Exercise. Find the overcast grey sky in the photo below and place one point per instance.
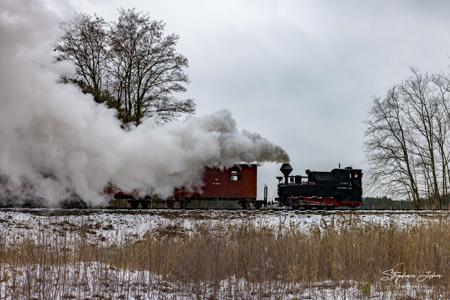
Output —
(301, 73)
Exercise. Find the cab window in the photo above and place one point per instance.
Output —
(234, 176)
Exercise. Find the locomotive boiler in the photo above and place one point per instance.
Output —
(320, 190)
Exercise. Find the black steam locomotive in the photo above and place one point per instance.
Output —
(320, 190)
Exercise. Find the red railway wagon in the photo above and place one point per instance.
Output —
(234, 187)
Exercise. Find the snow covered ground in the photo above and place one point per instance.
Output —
(92, 280)
(95, 280)
(122, 226)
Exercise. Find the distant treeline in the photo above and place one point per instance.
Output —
(388, 203)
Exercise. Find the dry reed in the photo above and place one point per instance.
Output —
(213, 262)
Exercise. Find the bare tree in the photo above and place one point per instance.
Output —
(442, 135)
(422, 110)
(408, 138)
(84, 43)
(388, 149)
(130, 64)
(148, 69)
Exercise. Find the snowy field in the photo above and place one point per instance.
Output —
(100, 281)
(95, 279)
(122, 226)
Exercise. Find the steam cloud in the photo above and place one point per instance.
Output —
(54, 138)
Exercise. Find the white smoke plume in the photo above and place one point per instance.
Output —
(54, 138)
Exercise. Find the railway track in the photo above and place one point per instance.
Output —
(270, 211)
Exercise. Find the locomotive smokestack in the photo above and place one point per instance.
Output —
(286, 169)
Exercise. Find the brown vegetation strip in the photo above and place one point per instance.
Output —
(261, 255)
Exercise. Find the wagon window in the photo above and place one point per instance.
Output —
(234, 176)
